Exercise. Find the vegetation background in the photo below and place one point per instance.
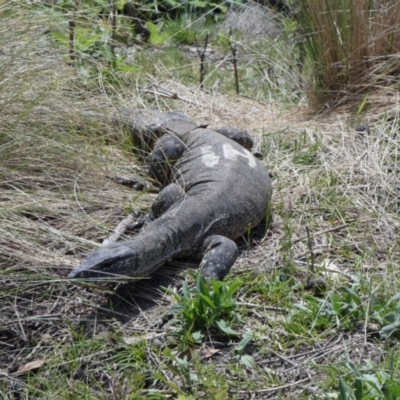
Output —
(311, 309)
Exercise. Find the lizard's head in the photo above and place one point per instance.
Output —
(113, 260)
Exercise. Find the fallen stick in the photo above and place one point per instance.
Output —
(122, 227)
(160, 91)
(334, 229)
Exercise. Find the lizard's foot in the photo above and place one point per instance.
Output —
(220, 254)
(134, 183)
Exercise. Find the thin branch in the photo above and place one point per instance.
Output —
(160, 91)
(121, 228)
(234, 62)
(272, 389)
(334, 229)
(71, 24)
(113, 25)
(202, 55)
(310, 248)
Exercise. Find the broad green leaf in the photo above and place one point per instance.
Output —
(248, 361)
(394, 298)
(353, 294)
(156, 37)
(358, 392)
(197, 336)
(373, 382)
(128, 68)
(185, 289)
(353, 367)
(226, 329)
(342, 390)
(232, 288)
(208, 301)
(387, 330)
(247, 338)
(202, 285)
(390, 318)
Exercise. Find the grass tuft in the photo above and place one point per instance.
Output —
(352, 46)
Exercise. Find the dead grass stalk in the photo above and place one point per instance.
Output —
(353, 47)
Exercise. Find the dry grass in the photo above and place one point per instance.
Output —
(353, 46)
(56, 205)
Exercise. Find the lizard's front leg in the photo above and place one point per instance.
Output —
(167, 149)
(220, 254)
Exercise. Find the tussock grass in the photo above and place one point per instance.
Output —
(353, 47)
(108, 342)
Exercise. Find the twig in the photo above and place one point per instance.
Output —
(46, 317)
(334, 229)
(71, 24)
(202, 55)
(113, 26)
(121, 228)
(272, 389)
(283, 358)
(268, 308)
(234, 62)
(160, 91)
(310, 248)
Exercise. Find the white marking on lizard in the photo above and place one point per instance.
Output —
(231, 153)
(210, 159)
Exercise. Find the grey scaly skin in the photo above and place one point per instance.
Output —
(215, 191)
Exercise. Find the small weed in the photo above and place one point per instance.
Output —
(156, 36)
(345, 310)
(185, 30)
(181, 367)
(238, 352)
(94, 56)
(368, 384)
(208, 307)
(197, 379)
(390, 321)
(275, 290)
(341, 310)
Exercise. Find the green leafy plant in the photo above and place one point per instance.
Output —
(390, 321)
(209, 306)
(181, 367)
(340, 309)
(238, 352)
(187, 7)
(156, 36)
(94, 55)
(344, 309)
(185, 30)
(369, 384)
